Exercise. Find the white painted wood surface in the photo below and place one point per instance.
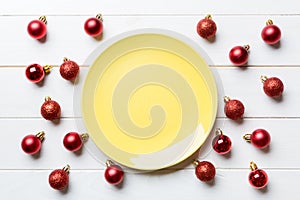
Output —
(239, 23)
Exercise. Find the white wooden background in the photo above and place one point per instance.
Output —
(239, 23)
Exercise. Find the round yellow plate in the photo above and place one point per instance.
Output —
(149, 99)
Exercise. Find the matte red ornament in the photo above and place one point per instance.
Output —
(113, 174)
(50, 110)
(273, 87)
(94, 26)
(258, 178)
(37, 28)
(74, 141)
(271, 34)
(238, 55)
(31, 144)
(36, 73)
(206, 27)
(59, 178)
(205, 171)
(221, 143)
(69, 70)
(260, 138)
(234, 109)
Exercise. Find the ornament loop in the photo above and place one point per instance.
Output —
(99, 16)
(47, 98)
(247, 137)
(196, 162)
(226, 99)
(269, 22)
(219, 131)
(263, 78)
(247, 47)
(40, 135)
(43, 19)
(67, 168)
(109, 163)
(208, 16)
(253, 166)
(66, 59)
(84, 137)
(47, 68)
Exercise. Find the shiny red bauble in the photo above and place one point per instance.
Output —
(238, 55)
(271, 34)
(234, 109)
(69, 70)
(59, 178)
(205, 171)
(206, 27)
(36, 73)
(50, 110)
(260, 138)
(113, 174)
(37, 28)
(273, 87)
(221, 143)
(31, 144)
(94, 26)
(258, 178)
(74, 141)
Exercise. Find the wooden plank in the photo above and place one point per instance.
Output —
(66, 37)
(136, 7)
(26, 98)
(229, 184)
(282, 153)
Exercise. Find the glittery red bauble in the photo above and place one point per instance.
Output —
(37, 29)
(59, 179)
(273, 87)
(72, 141)
(234, 109)
(31, 144)
(35, 73)
(238, 55)
(50, 110)
(221, 144)
(114, 174)
(258, 178)
(93, 26)
(205, 171)
(206, 28)
(69, 70)
(260, 138)
(271, 34)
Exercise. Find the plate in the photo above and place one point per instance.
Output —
(149, 99)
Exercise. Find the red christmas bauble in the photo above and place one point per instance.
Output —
(258, 178)
(35, 73)
(234, 109)
(260, 138)
(50, 110)
(31, 144)
(238, 55)
(273, 87)
(271, 34)
(59, 178)
(69, 70)
(94, 26)
(206, 27)
(205, 171)
(37, 28)
(113, 174)
(73, 141)
(221, 143)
